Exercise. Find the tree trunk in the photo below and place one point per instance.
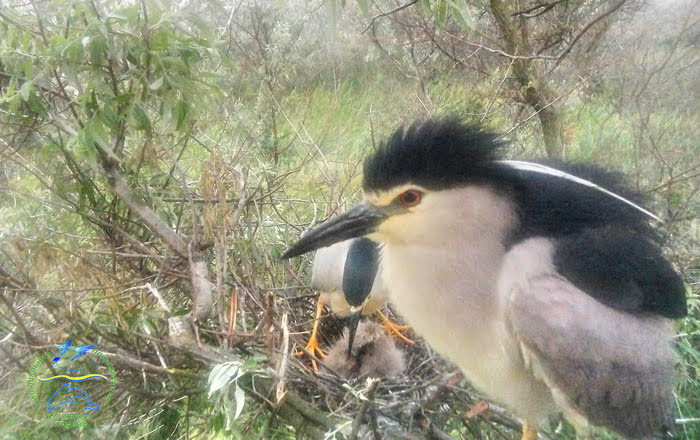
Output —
(552, 131)
(533, 86)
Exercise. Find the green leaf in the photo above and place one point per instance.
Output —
(97, 48)
(87, 192)
(28, 68)
(86, 148)
(116, 16)
(148, 326)
(28, 95)
(124, 98)
(155, 85)
(441, 15)
(35, 104)
(180, 114)
(462, 14)
(102, 29)
(132, 14)
(232, 409)
(141, 118)
(109, 115)
(95, 134)
(239, 395)
(73, 51)
(160, 40)
(174, 63)
(201, 24)
(26, 90)
(253, 362)
(223, 374)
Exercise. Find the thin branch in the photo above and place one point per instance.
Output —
(385, 14)
(585, 29)
(357, 422)
(149, 217)
(543, 6)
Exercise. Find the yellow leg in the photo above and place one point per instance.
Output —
(312, 347)
(529, 431)
(390, 328)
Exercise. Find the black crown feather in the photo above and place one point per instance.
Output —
(436, 154)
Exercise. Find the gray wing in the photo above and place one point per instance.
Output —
(614, 369)
(327, 270)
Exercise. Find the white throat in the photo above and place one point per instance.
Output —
(444, 281)
(449, 264)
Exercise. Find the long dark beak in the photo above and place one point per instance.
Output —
(360, 220)
(353, 321)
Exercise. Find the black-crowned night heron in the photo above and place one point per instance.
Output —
(349, 279)
(546, 286)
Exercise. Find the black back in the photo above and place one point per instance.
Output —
(552, 206)
(620, 268)
(361, 265)
(602, 245)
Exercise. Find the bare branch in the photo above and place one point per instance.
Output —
(202, 296)
(393, 11)
(578, 36)
(543, 8)
(149, 217)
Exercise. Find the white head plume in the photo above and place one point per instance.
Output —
(543, 169)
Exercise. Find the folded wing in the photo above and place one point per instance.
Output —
(610, 367)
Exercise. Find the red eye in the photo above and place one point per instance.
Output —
(410, 198)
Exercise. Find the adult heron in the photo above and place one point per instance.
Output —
(544, 282)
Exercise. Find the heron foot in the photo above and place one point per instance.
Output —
(529, 432)
(395, 329)
(312, 348)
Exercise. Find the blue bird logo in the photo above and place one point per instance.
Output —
(74, 393)
(65, 347)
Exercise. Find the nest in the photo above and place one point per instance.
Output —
(427, 398)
